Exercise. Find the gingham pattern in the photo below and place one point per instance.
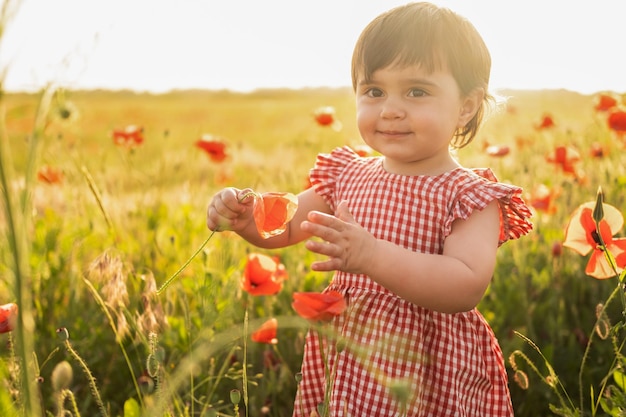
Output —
(447, 364)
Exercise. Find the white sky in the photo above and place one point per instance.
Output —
(159, 45)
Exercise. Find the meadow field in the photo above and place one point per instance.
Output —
(129, 306)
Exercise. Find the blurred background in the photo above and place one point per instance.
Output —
(242, 45)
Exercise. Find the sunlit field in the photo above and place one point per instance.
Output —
(137, 310)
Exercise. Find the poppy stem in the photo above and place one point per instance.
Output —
(241, 198)
(181, 269)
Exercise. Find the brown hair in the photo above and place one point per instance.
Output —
(431, 36)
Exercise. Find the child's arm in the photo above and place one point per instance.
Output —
(228, 211)
(452, 282)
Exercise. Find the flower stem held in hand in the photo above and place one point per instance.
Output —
(181, 269)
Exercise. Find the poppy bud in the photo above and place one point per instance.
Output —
(146, 384)
(341, 345)
(63, 334)
(235, 396)
(598, 210)
(62, 376)
(401, 390)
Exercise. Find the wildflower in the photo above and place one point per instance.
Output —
(542, 198)
(129, 137)
(8, 317)
(617, 121)
(272, 212)
(214, 148)
(566, 157)
(266, 333)
(557, 249)
(597, 150)
(546, 123)
(324, 116)
(263, 275)
(582, 236)
(318, 307)
(523, 141)
(605, 102)
(49, 175)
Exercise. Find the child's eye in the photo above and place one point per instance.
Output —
(374, 92)
(417, 92)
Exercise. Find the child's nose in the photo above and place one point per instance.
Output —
(392, 109)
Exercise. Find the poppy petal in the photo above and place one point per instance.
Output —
(266, 333)
(598, 267)
(8, 316)
(581, 224)
(272, 212)
(319, 306)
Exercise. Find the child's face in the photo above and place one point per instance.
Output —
(410, 116)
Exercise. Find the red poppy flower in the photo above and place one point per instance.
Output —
(266, 333)
(318, 307)
(605, 102)
(617, 121)
(324, 116)
(597, 150)
(581, 235)
(522, 142)
(565, 157)
(129, 137)
(497, 150)
(542, 198)
(263, 275)
(272, 212)
(8, 317)
(546, 123)
(49, 175)
(214, 148)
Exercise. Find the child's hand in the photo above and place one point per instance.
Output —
(348, 246)
(230, 209)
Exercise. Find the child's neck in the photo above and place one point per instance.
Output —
(420, 167)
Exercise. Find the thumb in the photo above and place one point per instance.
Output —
(246, 196)
(343, 212)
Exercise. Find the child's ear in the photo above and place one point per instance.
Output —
(471, 104)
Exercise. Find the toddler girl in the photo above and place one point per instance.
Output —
(411, 235)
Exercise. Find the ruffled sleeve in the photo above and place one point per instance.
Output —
(477, 191)
(328, 167)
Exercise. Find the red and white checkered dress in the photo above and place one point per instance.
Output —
(441, 364)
